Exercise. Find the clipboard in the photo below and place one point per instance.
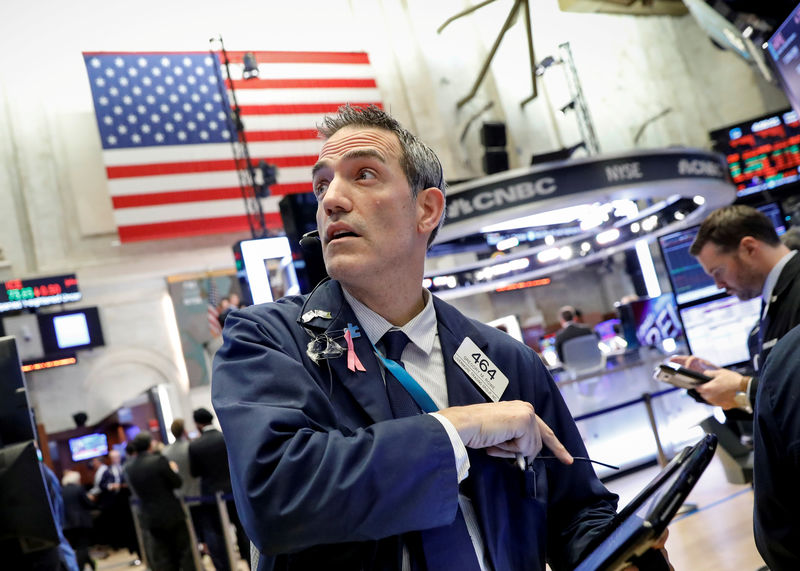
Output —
(639, 525)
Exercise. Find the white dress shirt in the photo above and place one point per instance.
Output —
(424, 361)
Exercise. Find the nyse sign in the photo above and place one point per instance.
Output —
(541, 184)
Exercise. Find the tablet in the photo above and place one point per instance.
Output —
(644, 519)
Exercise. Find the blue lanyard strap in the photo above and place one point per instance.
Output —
(419, 395)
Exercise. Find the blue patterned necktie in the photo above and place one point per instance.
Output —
(448, 547)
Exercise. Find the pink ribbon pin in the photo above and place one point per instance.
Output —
(353, 362)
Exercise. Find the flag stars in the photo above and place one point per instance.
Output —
(109, 72)
(133, 72)
(117, 109)
(100, 82)
(173, 98)
(119, 62)
(169, 80)
(146, 81)
(156, 71)
(165, 62)
(132, 119)
(136, 138)
(94, 62)
(187, 62)
(122, 129)
(195, 98)
(113, 91)
(141, 109)
(136, 90)
(191, 80)
(182, 135)
(142, 62)
(187, 107)
(160, 90)
(177, 116)
(169, 127)
(127, 99)
(182, 89)
(191, 125)
(146, 128)
(204, 135)
(155, 118)
(123, 81)
(159, 137)
(203, 89)
(177, 70)
(108, 120)
(102, 100)
(111, 139)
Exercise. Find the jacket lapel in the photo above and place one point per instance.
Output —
(366, 387)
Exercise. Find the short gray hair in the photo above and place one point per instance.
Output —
(420, 164)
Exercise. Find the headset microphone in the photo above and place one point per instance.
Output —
(310, 240)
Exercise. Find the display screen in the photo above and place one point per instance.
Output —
(689, 280)
(607, 329)
(265, 269)
(648, 322)
(762, 153)
(23, 294)
(88, 446)
(70, 330)
(718, 329)
(784, 50)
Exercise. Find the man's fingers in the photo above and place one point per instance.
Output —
(554, 444)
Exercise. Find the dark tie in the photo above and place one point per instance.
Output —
(446, 547)
(401, 402)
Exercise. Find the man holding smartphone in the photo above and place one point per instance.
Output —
(737, 246)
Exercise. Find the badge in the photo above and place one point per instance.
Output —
(480, 369)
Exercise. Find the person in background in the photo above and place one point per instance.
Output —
(570, 329)
(334, 465)
(178, 452)
(154, 481)
(115, 509)
(737, 246)
(208, 460)
(77, 517)
(68, 562)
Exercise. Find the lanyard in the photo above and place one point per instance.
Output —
(419, 395)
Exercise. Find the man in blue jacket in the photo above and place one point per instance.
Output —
(319, 397)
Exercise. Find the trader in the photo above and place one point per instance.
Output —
(332, 466)
(737, 246)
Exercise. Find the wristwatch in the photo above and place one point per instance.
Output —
(742, 396)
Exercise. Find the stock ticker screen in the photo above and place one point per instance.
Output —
(762, 153)
(689, 281)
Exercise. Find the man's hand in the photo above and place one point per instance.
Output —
(721, 390)
(694, 363)
(659, 546)
(504, 429)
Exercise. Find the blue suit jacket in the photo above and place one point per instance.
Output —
(324, 477)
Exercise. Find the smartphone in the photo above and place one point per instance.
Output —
(680, 377)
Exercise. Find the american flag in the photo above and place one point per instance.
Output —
(164, 129)
(213, 314)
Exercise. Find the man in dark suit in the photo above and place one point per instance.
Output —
(208, 460)
(321, 397)
(570, 329)
(154, 482)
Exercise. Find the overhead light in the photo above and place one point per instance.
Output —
(548, 255)
(549, 240)
(649, 223)
(648, 269)
(427, 283)
(542, 66)
(250, 66)
(508, 243)
(585, 247)
(565, 252)
(567, 107)
(607, 236)
(699, 200)
(635, 227)
(679, 215)
(441, 281)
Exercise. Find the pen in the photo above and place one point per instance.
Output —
(520, 460)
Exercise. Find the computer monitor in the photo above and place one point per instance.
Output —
(784, 50)
(265, 269)
(649, 322)
(26, 517)
(88, 446)
(16, 420)
(608, 329)
(717, 330)
(689, 281)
